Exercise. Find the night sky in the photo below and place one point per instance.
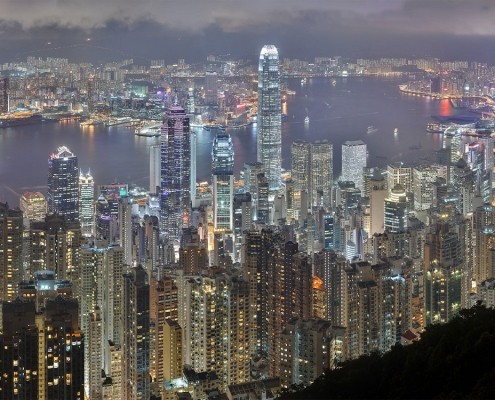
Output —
(193, 29)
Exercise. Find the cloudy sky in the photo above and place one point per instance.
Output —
(192, 29)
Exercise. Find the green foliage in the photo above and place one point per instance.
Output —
(451, 361)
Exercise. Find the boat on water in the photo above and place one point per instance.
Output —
(306, 120)
(371, 129)
(334, 82)
(152, 130)
(396, 131)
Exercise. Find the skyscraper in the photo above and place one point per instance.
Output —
(175, 172)
(4, 95)
(63, 184)
(155, 168)
(269, 140)
(223, 182)
(321, 172)
(353, 161)
(33, 205)
(86, 198)
(10, 251)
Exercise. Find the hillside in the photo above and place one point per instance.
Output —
(451, 361)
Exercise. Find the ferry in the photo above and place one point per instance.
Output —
(306, 120)
(396, 131)
(371, 129)
(153, 130)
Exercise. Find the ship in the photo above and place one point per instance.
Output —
(20, 118)
(306, 120)
(153, 130)
(371, 129)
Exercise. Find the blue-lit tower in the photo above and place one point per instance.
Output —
(269, 139)
(223, 182)
(63, 184)
(175, 200)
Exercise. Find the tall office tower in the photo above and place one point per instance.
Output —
(136, 335)
(331, 268)
(258, 255)
(354, 156)
(305, 351)
(242, 220)
(63, 184)
(4, 95)
(269, 140)
(321, 168)
(155, 168)
(10, 251)
(395, 210)
(175, 172)
(54, 245)
(86, 199)
(211, 95)
(223, 182)
(194, 145)
(300, 158)
(42, 351)
(33, 206)
(94, 343)
(149, 242)
(487, 144)
(164, 305)
(263, 204)
(329, 230)
(445, 271)
(190, 103)
(462, 188)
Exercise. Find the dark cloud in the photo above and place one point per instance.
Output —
(195, 28)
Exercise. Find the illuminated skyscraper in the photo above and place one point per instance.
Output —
(175, 172)
(4, 95)
(269, 140)
(86, 198)
(155, 168)
(353, 161)
(223, 182)
(321, 168)
(63, 184)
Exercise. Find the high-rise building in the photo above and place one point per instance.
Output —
(211, 95)
(354, 156)
(321, 168)
(86, 199)
(155, 168)
(54, 245)
(33, 205)
(10, 251)
(223, 182)
(395, 210)
(4, 95)
(63, 184)
(269, 140)
(175, 172)
(136, 335)
(42, 350)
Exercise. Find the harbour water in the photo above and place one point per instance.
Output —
(337, 112)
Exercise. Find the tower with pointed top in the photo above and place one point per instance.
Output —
(175, 199)
(269, 139)
(63, 184)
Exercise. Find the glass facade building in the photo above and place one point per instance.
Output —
(223, 181)
(269, 139)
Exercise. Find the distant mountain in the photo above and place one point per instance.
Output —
(451, 361)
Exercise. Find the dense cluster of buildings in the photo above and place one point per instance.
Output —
(249, 287)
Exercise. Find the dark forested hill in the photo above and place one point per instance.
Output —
(451, 361)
